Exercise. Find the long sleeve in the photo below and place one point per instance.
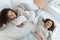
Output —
(49, 36)
(40, 20)
(24, 6)
(24, 9)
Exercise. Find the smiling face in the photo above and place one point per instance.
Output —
(11, 14)
(48, 24)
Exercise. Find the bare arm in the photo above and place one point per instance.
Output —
(40, 35)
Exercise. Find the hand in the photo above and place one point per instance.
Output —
(20, 25)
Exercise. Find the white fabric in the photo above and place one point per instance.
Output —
(30, 15)
(13, 3)
(19, 20)
(6, 38)
(13, 31)
(30, 2)
(23, 9)
(5, 4)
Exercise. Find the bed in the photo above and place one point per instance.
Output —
(13, 3)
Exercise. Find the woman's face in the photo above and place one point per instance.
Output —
(11, 14)
(48, 24)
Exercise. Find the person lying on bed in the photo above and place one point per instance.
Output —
(45, 30)
(16, 23)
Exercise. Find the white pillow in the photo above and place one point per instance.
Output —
(30, 2)
(5, 4)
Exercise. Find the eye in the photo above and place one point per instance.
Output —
(50, 23)
(11, 12)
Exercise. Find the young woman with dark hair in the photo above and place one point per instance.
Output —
(49, 24)
(6, 15)
(45, 30)
(16, 22)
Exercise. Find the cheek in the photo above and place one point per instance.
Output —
(48, 25)
(14, 15)
(11, 17)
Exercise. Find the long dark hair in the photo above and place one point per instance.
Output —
(53, 25)
(3, 16)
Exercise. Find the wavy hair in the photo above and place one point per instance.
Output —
(3, 16)
(53, 25)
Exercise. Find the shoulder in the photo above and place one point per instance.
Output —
(40, 20)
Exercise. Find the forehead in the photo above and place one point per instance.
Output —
(49, 21)
(10, 11)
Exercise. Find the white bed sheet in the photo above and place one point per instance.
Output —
(12, 3)
(30, 2)
(5, 4)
